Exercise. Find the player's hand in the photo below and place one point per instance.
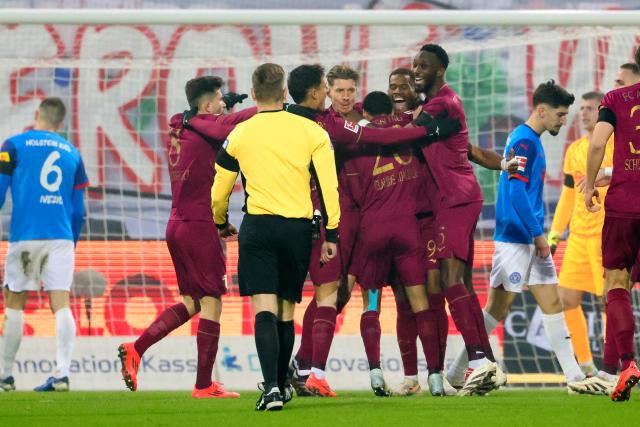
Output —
(542, 247)
(328, 252)
(231, 98)
(602, 180)
(510, 163)
(553, 241)
(228, 231)
(439, 127)
(589, 194)
(187, 115)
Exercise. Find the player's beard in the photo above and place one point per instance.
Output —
(554, 132)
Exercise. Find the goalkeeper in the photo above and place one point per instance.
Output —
(582, 264)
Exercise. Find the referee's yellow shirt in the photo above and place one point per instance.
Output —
(274, 151)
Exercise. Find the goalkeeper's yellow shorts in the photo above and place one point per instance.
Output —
(582, 265)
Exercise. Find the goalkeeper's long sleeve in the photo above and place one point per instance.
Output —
(564, 210)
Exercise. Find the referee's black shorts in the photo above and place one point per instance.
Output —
(273, 255)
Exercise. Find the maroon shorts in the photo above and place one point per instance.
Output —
(198, 258)
(430, 241)
(391, 250)
(620, 242)
(455, 227)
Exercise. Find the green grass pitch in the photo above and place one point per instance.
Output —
(513, 408)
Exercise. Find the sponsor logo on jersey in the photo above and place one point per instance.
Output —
(350, 126)
(522, 163)
(4, 156)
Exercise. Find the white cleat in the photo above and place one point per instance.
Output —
(408, 387)
(449, 390)
(378, 385)
(479, 381)
(591, 385)
(436, 386)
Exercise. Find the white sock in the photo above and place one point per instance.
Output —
(304, 372)
(411, 377)
(319, 373)
(13, 325)
(65, 337)
(479, 363)
(558, 335)
(457, 371)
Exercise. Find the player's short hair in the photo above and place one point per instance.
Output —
(552, 94)
(199, 87)
(52, 110)
(631, 66)
(438, 51)
(403, 72)
(377, 103)
(268, 82)
(303, 78)
(593, 96)
(342, 72)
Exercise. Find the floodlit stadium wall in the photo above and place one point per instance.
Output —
(121, 82)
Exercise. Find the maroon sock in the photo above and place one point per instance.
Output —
(482, 330)
(461, 308)
(620, 315)
(407, 333)
(370, 332)
(324, 327)
(436, 303)
(170, 319)
(428, 333)
(207, 339)
(305, 352)
(610, 358)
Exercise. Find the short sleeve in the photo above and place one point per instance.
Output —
(7, 158)
(81, 179)
(608, 101)
(342, 131)
(524, 151)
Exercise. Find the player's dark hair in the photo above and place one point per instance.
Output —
(593, 96)
(377, 103)
(342, 72)
(200, 86)
(552, 94)
(52, 110)
(303, 78)
(631, 66)
(268, 82)
(438, 51)
(403, 72)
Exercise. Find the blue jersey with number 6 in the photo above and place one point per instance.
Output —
(45, 170)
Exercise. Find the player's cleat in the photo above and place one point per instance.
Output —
(500, 378)
(130, 360)
(436, 386)
(590, 385)
(627, 380)
(378, 384)
(319, 387)
(494, 383)
(479, 381)
(298, 381)
(449, 390)
(589, 369)
(8, 383)
(54, 384)
(609, 380)
(215, 390)
(271, 401)
(408, 387)
(287, 394)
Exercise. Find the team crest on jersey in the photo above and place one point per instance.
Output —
(4, 156)
(515, 278)
(522, 163)
(350, 126)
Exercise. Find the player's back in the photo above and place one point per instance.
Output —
(531, 170)
(448, 160)
(622, 198)
(46, 169)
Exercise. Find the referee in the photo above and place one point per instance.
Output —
(274, 151)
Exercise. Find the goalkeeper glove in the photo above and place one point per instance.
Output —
(230, 99)
(553, 240)
(188, 115)
(439, 127)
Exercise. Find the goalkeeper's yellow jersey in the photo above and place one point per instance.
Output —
(582, 222)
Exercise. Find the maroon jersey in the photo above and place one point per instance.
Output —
(622, 198)
(191, 156)
(448, 160)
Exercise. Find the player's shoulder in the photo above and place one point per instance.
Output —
(621, 94)
(578, 144)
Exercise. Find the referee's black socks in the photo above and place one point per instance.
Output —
(286, 336)
(268, 347)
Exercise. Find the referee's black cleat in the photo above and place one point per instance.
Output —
(270, 401)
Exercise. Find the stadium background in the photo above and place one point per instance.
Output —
(121, 85)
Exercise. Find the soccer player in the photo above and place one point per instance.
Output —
(582, 264)
(192, 237)
(47, 179)
(275, 150)
(628, 74)
(402, 91)
(621, 231)
(522, 255)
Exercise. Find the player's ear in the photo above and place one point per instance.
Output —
(285, 93)
(253, 94)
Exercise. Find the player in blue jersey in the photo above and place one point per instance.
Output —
(47, 180)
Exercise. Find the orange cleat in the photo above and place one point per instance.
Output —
(627, 380)
(319, 386)
(130, 360)
(214, 391)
